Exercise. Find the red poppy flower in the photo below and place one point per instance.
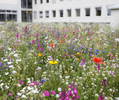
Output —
(61, 41)
(72, 56)
(51, 44)
(97, 60)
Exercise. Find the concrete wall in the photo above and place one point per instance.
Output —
(114, 17)
(8, 4)
(73, 4)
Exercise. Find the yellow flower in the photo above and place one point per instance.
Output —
(6, 20)
(39, 54)
(53, 62)
(79, 53)
(93, 56)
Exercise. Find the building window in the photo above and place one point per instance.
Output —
(14, 11)
(23, 3)
(2, 10)
(47, 1)
(35, 1)
(69, 13)
(77, 12)
(87, 12)
(108, 12)
(2, 17)
(41, 1)
(41, 14)
(53, 1)
(54, 13)
(98, 11)
(26, 3)
(27, 16)
(35, 14)
(47, 14)
(29, 3)
(61, 13)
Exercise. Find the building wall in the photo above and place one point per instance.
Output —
(8, 9)
(73, 4)
(8, 1)
(114, 17)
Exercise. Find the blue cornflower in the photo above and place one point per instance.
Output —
(97, 50)
(103, 51)
(0, 64)
(42, 80)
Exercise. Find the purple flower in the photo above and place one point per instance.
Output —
(53, 33)
(46, 93)
(25, 29)
(53, 92)
(20, 82)
(37, 68)
(72, 93)
(38, 46)
(17, 35)
(101, 97)
(112, 72)
(115, 65)
(41, 49)
(0, 64)
(104, 82)
(98, 67)
(57, 30)
(82, 62)
(42, 80)
(37, 35)
(33, 42)
(36, 83)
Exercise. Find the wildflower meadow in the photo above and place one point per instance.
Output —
(59, 61)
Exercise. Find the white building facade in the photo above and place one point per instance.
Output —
(86, 11)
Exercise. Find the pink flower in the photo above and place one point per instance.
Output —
(53, 92)
(20, 82)
(38, 46)
(53, 33)
(101, 98)
(33, 42)
(37, 35)
(9, 94)
(46, 93)
(112, 72)
(33, 83)
(17, 35)
(41, 49)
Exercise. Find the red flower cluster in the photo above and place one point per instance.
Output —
(97, 60)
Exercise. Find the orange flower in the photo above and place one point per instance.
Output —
(61, 41)
(39, 54)
(97, 60)
(51, 44)
(72, 56)
(56, 83)
(78, 59)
